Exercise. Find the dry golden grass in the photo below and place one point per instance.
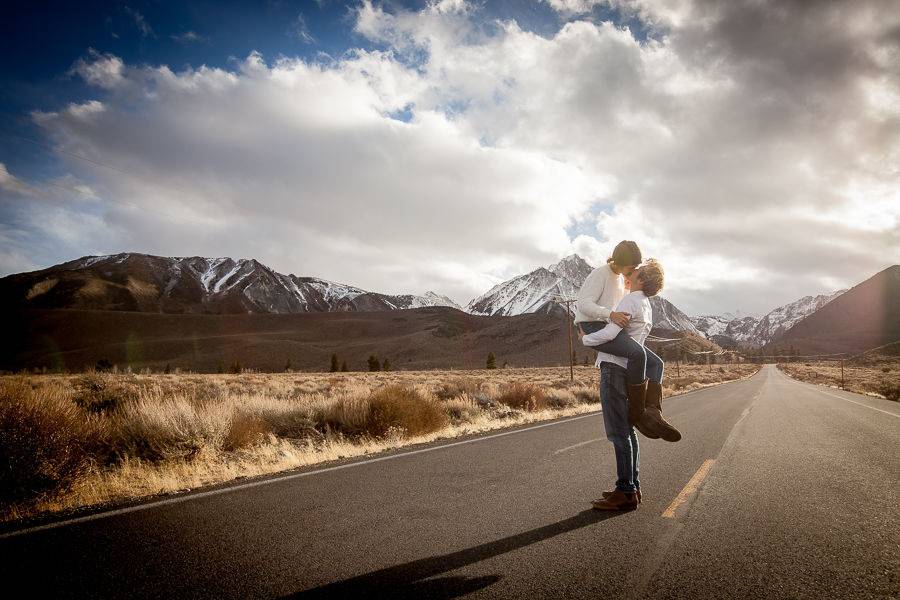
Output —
(86, 440)
(879, 377)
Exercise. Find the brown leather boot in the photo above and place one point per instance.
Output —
(637, 403)
(637, 494)
(653, 419)
(646, 427)
(617, 500)
(636, 395)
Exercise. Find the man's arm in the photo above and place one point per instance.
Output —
(588, 294)
(612, 329)
(607, 334)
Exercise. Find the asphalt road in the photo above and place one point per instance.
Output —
(785, 490)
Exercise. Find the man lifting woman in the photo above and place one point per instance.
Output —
(616, 324)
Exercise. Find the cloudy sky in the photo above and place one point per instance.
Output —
(752, 146)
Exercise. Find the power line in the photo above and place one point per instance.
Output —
(92, 161)
(66, 152)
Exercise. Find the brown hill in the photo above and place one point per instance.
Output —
(422, 338)
(866, 316)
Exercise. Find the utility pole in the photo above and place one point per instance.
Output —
(567, 302)
(842, 373)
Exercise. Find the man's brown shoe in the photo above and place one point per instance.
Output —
(618, 500)
(652, 419)
(637, 494)
(636, 398)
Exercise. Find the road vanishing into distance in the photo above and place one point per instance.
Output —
(779, 489)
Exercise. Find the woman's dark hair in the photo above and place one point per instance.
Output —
(626, 254)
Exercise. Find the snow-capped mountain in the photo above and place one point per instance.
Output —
(777, 322)
(427, 299)
(141, 282)
(728, 330)
(535, 291)
(529, 292)
(668, 317)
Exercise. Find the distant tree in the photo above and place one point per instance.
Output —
(334, 363)
(491, 361)
(235, 367)
(168, 369)
(287, 365)
(103, 365)
(505, 364)
(386, 365)
(374, 365)
(344, 366)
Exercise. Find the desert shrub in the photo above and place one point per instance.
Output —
(46, 442)
(457, 387)
(559, 398)
(890, 390)
(245, 430)
(462, 409)
(885, 369)
(97, 393)
(561, 384)
(586, 395)
(347, 414)
(404, 407)
(523, 396)
(174, 428)
(290, 419)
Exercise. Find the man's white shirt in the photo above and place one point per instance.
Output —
(638, 306)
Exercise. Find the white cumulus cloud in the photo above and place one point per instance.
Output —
(750, 146)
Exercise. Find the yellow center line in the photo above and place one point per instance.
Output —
(690, 488)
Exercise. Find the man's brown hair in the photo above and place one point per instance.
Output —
(652, 277)
(626, 254)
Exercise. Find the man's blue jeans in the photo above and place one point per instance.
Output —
(614, 402)
(642, 362)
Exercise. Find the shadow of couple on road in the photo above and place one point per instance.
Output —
(412, 579)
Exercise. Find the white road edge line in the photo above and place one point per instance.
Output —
(887, 412)
(276, 479)
(578, 445)
(819, 389)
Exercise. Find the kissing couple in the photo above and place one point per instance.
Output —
(616, 324)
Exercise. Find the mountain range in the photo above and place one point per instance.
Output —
(865, 316)
(198, 285)
(735, 331)
(193, 285)
(536, 292)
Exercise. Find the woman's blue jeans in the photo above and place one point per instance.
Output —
(642, 362)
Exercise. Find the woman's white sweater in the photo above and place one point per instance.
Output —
(600, 293)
